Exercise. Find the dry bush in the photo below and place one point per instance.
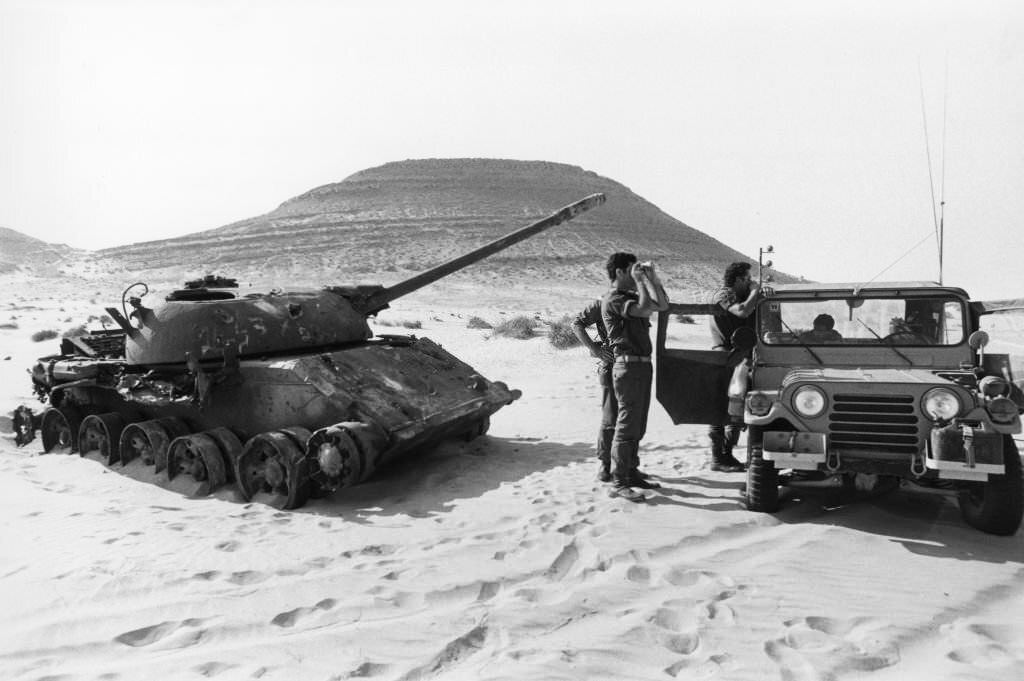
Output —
(9, 325)
(562, 335)
(685, 319)
(405, 323)
(521, 327)
(46, 334)
(76, 331)
(477, 323)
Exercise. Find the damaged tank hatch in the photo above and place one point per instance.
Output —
(285, 394)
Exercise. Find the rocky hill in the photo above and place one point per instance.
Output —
(384, 224)
(22, 253)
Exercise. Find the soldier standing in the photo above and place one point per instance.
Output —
(591, 316)
(626, 309)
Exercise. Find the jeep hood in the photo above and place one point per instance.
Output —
(861, 376)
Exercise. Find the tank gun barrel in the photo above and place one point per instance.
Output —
(378, 300)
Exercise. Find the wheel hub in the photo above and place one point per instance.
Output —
(330, 460)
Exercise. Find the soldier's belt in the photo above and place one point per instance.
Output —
(625, 359)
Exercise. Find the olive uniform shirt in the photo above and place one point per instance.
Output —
(626, 335)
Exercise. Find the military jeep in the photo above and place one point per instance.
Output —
(860, 387)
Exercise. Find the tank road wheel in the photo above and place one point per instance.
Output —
(333, 458)
(148, 440)
(198, 456)
(101, 433)
(230, 448)
(59, 430)
(762, 492)
(272, 469)
(996, 506)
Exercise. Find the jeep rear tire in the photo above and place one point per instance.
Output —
(996, 506)
(762, 483)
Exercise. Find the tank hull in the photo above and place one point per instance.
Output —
(408, 392)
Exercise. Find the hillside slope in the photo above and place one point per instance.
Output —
(20, 253)
(383, 224)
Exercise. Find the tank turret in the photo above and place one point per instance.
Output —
(283, 393)
(209, 319)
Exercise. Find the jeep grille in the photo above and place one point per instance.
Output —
(885, 423)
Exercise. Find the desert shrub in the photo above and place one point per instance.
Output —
(521, 327)
(685, 319)
(406, 323)
(9, 325)
(562, 335)
(46, 334)
(477, 323)
(76, 331)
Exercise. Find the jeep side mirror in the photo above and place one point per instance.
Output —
(978, 340)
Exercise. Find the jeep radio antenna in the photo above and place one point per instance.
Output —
(937, 218)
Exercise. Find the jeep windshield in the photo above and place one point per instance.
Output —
(911, 321)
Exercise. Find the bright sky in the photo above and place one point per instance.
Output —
(795, 124)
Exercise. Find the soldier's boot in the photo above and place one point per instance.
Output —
(722, 460)
(732, 436)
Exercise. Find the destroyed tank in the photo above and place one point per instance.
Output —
(285, 394)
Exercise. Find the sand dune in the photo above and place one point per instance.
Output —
(502, 558)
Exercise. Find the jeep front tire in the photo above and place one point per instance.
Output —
(996, 506)
(762, 483)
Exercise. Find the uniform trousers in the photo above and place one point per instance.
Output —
(631, 382)
(609, 415)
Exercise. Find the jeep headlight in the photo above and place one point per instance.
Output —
(809, 401)
(941, 404)
(1002, 409)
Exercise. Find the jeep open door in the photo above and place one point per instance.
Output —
(691, 383)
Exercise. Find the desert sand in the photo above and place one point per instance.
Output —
(502, 558)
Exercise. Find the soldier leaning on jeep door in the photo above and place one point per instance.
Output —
(738, 298)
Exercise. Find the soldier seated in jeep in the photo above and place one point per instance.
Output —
(823, 331)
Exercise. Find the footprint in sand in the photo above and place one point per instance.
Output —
(676, 630)
(292, 617)
(157, 632)
(211, 669)
(639, 574)
(368, 669)
(247, 577)
(687, 577)
(991, 646)
(814, 648)
(564, 562)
